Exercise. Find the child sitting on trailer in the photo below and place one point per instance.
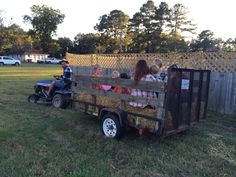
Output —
(154, 69)
(142, 73)
(98, 72)
(161, 75)
(115, 74)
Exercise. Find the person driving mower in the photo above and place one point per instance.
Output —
(56, 92)
(63, 80)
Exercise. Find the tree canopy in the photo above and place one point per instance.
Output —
(114, 26)
(151, 29)
(44, 21)
(205, 42)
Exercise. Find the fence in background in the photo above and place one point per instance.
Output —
(222, 92)
(214, 61)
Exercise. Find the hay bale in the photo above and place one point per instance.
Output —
(84, 97)
(144, 111)
(135, 121)
(108, 102)
(141, 122)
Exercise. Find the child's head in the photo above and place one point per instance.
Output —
(115, 74)
(158, 63)
(154, 69)
(141, 69)
(124, 76)
(174, 74)
(97, 70)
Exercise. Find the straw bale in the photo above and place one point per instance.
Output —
(108, 101)
(83, 97)
(140, 122)
(143, 111)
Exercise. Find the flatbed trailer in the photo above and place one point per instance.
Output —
(173, 111)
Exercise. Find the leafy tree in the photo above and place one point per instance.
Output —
(102, 26)
(148, 27)
(53, 48)
(44, 21)
(205, 42)
(143, 26)
(34, 40)
(114, 25)
(13, 39)
(178, 20)
(66, 45)
(162, 16)
(176, 43)
(106, 44)
(148, 12)
(229, 45)
(1, 18)
(127, 41)
(85, 43)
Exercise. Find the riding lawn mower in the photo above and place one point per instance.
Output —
(59, 97)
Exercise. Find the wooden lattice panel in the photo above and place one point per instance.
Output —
(79, 60)
(214, 61)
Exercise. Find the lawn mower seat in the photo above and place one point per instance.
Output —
(67, 86)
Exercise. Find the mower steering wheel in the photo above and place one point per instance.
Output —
(57, 77)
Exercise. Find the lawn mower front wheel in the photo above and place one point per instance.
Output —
(60, 101)
(33, 98)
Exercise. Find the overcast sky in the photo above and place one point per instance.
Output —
(82, 15)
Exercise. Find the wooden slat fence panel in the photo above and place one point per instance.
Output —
(222, 93)
(233, 103)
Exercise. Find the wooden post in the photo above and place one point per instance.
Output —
(161, 103)
(122, 102)
(94, 100)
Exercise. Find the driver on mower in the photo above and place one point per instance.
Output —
(63, 80)
(55, 92)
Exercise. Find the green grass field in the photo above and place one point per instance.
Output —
(39, 140)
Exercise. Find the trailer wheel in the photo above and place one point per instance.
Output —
(33, 98)
(59, 101)
(110, 127)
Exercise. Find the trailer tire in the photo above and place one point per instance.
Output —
(59, 101)
(110, 127)
(33, 98)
